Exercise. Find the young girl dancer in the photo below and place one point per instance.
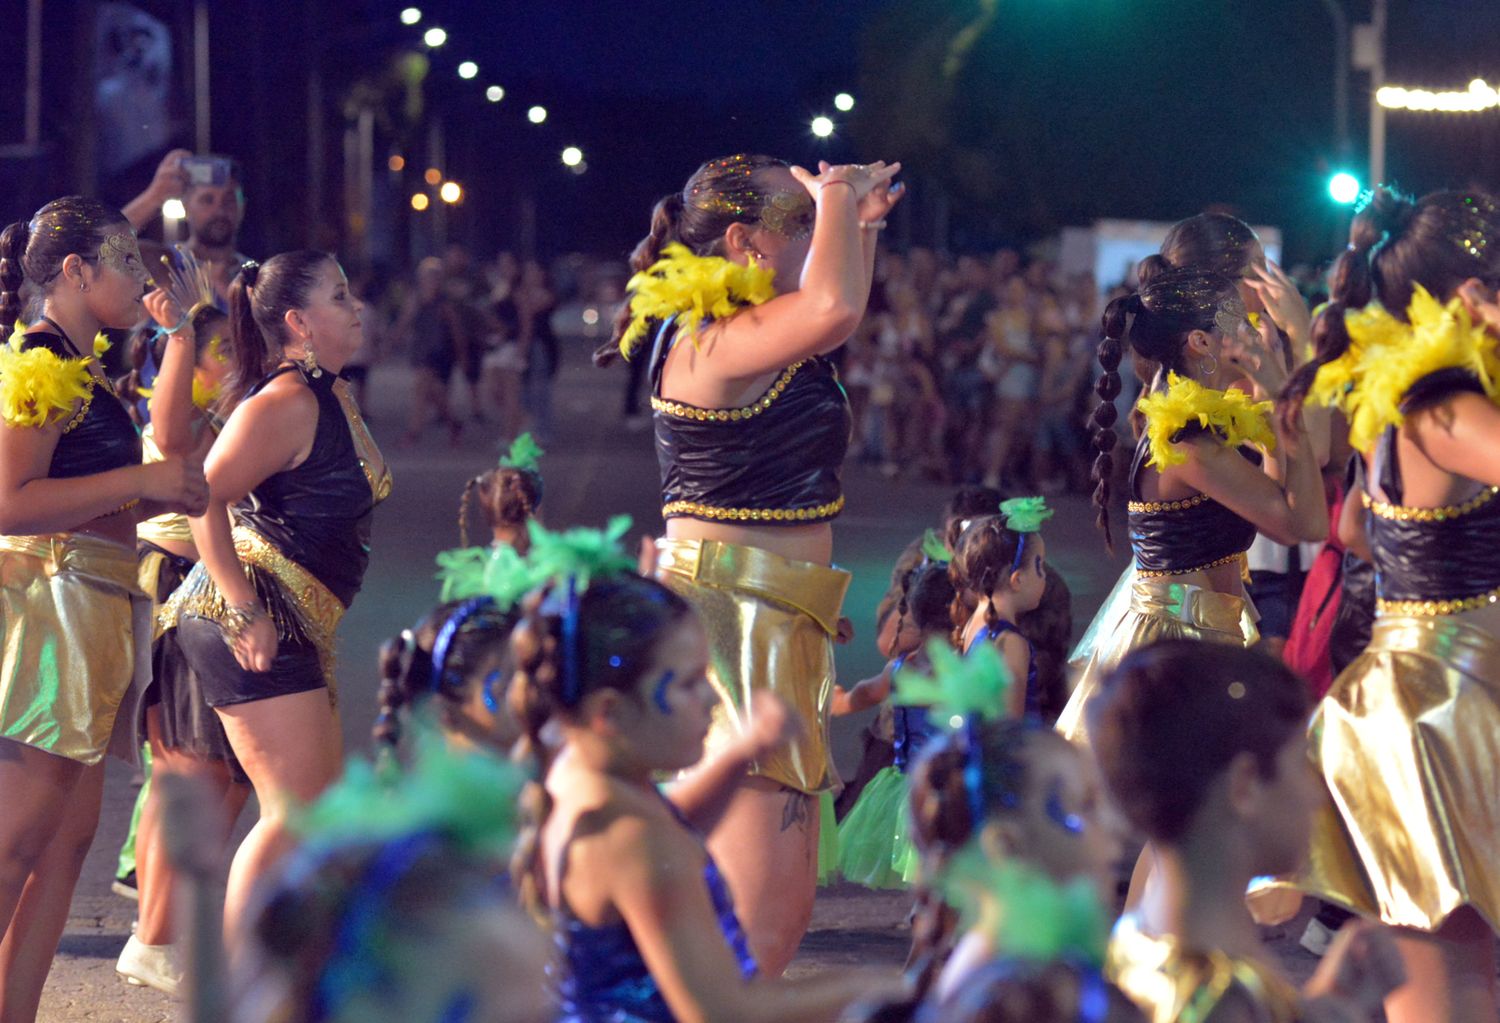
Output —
(1197, 496)
(510, 496)
(751, 277)
(1405, 738)
(645, 926)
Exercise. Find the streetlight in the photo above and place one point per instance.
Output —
(410, 16)
(397, 163)
(572, 156)
(450, 193)
(468, 69)
(434, 37)
(537, 114)
(1343, 188)
(822, 127)
(844, 102)
(419, 201)
(494, 94)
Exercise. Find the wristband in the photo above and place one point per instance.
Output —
(184, 322)
(835, 181)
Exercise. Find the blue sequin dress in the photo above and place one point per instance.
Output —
(993, 632)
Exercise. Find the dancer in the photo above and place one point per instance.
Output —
(1233, 802)
(1197, 498)
(874, 840)
(72, 487)
(294, 478)
(1405, 738)
(615, 665)
(998, 573)
(510, 495)
(751, 431)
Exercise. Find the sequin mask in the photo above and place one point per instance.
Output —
(789, 214)
(1231, 318)
(122, 254)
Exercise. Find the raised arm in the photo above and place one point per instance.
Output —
(174, 418)
(168, 183)
(1289, 513)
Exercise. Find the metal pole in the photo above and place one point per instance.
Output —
(34, 74)
(1340, 75)
(202, 133)
(1377, 79)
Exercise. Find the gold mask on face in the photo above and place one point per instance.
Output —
(121, 254)
(789, 214)
(1231, 317)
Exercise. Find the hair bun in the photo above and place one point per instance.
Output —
(1390, 210)
(250, 271)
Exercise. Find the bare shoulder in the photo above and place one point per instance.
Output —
(287, 398)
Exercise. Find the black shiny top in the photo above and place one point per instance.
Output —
(319, 513)
(1441, 560)
(777, 460)
(100, 435)
(1173, 537)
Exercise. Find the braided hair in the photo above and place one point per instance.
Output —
(509, 496)
(984, 557)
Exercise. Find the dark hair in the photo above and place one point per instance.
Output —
(146, 341)
(1396, 243)
(34, 250)
(984, 557)
(508, 496)
(968, 503)
(620, 620)
(720, 193)
(1209, 241)
(259, 298)
(1171, 717)
(1155, 323)
(927, 596)
(406, 668)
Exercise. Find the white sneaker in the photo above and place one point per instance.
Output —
(150, 966)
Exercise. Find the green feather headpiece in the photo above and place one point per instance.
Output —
(1025, 514)
(1027, 914)
(960, 687)
(581, 554)
(471, 798)
(525, 454)
(496, 571)
(934, 548)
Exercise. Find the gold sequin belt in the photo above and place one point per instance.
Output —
(1428, 608)
(696, 510)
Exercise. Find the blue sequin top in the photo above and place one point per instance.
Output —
(605, 980)
(911, 728)
(1000, 628)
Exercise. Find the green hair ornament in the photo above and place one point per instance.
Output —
(960, 687)
(1026, 913)
(1025, 514)
(525, 454)
(579, 554)
(496, 571)
(934, 548)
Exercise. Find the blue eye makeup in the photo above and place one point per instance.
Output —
(1069, 822)
(659, 693)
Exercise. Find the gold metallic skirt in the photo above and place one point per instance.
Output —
(72, 618)
(1156, 608)
(770, 623)
(1408, 741)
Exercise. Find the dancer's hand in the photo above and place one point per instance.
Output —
(1257, 352)
(255, 648)
(845, 632)
(772, 725)
(1482, 301)
(877, 202)
(1362, 966)
(840, 703)
(1284, 303)
(864, 178)
(177, 484)
(166, 312)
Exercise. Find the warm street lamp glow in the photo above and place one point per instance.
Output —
(433, 176)
(173, 209)
(450, 192)
(419, 201)
(397, 162)
(410, 16)
(468, 69)
(536, 115)
(434, 37)
(572, 156)
(844, 102)
(1480, 95)
(494, 94)
(1343, 188)
(822, 127)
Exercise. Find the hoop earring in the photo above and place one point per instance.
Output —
(1206, 369)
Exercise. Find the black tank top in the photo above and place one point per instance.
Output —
(98, 437)
(1174, 537)
(777, 460)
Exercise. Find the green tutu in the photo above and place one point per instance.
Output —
(875, 847)
(828, 840)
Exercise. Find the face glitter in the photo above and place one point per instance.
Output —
(659, 693)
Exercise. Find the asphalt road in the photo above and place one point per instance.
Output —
(594, 468)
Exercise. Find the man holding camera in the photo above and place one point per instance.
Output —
(213, 197)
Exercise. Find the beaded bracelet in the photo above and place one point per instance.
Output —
(237, 618)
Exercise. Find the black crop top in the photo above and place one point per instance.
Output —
(777, 460)
(98, 437)
(1174, 537)
(319, 513)
(1431, 561)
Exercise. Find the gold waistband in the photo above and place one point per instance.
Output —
(78, 554)
(815, 590)
(1450, 606)
(708, 511)
(171, 527)
(1465, 647)
(1205, 609)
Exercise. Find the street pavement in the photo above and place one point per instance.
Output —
(595, 467)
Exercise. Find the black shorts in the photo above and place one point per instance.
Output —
(295, 668)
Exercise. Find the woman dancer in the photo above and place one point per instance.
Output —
(72, 488)
(751, 432)
(294, 478)
(1406, 737)
(1197, 498)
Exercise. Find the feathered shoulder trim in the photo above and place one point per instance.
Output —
(693, 289)
(38, 386)
(1232, 416)
(1387, 357)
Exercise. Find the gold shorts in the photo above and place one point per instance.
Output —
(771, 623)
(72, 614)
(1157, 608)
(1408, 742)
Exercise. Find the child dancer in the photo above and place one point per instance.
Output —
(510, 495)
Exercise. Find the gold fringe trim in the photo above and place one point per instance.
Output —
(822, 511)
(715, 415)
(1404, 513)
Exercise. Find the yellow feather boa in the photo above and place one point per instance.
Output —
(1233, 416)
(692, 288)
(1386, 357)
(37, 385)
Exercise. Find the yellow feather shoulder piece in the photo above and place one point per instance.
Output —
(1233, 416)
(36, 385)
(1386, 357)
(693, 289)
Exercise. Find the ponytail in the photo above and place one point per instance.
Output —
(533, 700)
(463, 510)
(1102, 423)
(665, 229)
(404, 668)
(249, 353)
(13, 243)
